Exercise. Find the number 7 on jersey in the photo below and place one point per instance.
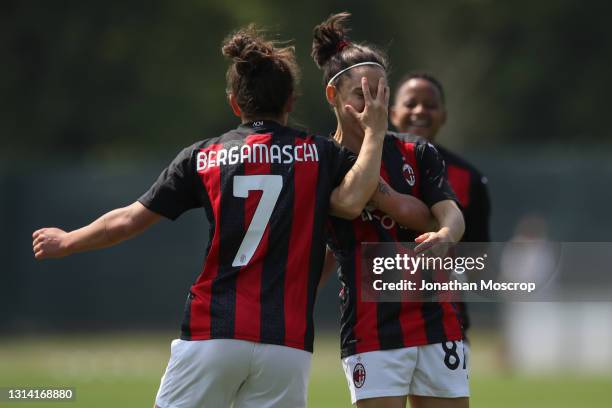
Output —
(271, 187)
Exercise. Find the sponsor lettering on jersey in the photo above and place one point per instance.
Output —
(257, 153)
(385, 220)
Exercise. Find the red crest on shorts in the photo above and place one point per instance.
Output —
(359, 375)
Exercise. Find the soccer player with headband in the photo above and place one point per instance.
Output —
(391, 352)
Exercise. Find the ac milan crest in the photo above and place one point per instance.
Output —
(408, 173)
(359, 375)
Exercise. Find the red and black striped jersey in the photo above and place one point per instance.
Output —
(411, 166)
(470, 186)
(266, 191)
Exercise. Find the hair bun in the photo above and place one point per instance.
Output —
(247, 49)
(262, 74)
(329, 38)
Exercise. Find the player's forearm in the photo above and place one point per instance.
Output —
(414, 214)
(407, 210)
(352, 195)
(110, 229)
(450, 219)
(106, 231)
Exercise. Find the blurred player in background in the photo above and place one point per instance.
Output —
(390, 351)
(247, 333)
(419, 108)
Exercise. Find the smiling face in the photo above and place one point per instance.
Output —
(349, 92)
(418, 109)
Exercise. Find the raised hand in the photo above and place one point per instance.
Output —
(373, 118)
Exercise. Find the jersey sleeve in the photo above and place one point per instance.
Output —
(174, 191)
(341, 161)
(478, 213)
(434, 184)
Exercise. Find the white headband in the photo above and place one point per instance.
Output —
(351, 67)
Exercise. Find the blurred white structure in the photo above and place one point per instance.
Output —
(545, 337)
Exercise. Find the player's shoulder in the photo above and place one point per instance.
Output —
(232, 135)
(419, 143)
(423, 149)
(405, 137)
(327, 143)
(453, 159)
(323, 143)
(193, 149)
(238, 135)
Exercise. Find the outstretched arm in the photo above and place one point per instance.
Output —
(110, 229)
(408, 211)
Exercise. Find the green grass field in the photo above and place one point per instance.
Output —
(120, 370)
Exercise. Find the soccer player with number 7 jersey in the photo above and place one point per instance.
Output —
(247, 333)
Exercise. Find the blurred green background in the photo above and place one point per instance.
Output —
(123, 79)
(98, 96)
(120, 370)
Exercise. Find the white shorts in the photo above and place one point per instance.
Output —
(234, 373)
(434, 370)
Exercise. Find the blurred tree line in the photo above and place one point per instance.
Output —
(119, 79)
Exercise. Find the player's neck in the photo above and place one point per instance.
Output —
(350, 140)
(282, 119)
